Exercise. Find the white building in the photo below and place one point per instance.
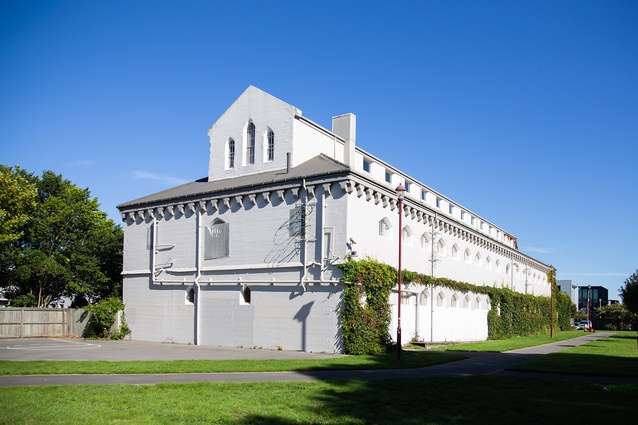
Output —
(246, 256)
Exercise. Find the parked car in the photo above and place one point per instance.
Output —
(583, 324)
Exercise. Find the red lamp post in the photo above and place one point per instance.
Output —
(400, 190)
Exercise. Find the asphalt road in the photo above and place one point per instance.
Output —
(64, 349)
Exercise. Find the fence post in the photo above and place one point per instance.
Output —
(22, 322)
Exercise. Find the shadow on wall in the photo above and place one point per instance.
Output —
(302, 317)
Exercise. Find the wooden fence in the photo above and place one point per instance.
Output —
(42, 322)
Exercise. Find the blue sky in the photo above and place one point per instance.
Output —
(524, 112)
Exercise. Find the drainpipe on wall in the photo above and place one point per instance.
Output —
(198, 266)
(304, 217)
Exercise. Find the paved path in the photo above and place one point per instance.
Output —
(476, 364)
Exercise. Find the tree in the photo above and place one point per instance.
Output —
(614, 316)
(67, 248)
(17, 202)
(629, 296)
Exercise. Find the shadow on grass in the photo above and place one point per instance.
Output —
(461, 400)
(409, 360)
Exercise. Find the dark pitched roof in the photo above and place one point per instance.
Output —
(320, 165)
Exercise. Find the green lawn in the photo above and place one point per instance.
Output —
(453, 400)
(436, 400)
(382, 361)
(613, 356)
(499, 346)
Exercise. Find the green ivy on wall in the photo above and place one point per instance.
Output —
(366, 306)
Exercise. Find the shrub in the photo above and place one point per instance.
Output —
(102, 317)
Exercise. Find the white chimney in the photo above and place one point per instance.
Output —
(345, 126)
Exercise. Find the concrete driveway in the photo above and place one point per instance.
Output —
(77, 349)
(28, 349)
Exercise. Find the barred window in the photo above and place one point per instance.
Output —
(271, 145)
(231, 153)
(217, 240)
(250, 143)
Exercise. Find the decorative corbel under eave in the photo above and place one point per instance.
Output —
(140, 215)
(180, 208)
(239, 200)
(252, 199)
(295, 192)
(159, 212)
(266, 197)
(327, 189)
(310, 191)
(369, 193)
(281, 194)
(226, 202)
(191, 207)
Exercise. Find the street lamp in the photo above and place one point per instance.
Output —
(400, 190)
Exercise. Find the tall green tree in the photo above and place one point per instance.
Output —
(17, 202)
(67, 248)
(629, 296)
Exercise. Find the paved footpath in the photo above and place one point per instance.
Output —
(475, 364)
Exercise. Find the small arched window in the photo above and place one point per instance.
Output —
(425, 243)
(231, 153)
(271, 146)
(246, 295)
(407, 236)
(440, 299)
(477, 259)
(250, 143)
(455, 251)
(384, 228)
(466, 255)
(440, 247)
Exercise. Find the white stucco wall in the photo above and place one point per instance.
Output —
(419, 316)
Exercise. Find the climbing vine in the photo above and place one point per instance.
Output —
(366, 311)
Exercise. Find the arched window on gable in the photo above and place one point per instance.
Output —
(454, 301)
(270, 149)
(466, 301)
(250, 143)
(488, 263)
(477, 259)
(231, 153)
(455, 251)
(498, 266)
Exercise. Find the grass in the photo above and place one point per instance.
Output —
(435, 400)
(613, 356)
(381, 361)
(439, 400)
(502, 345)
